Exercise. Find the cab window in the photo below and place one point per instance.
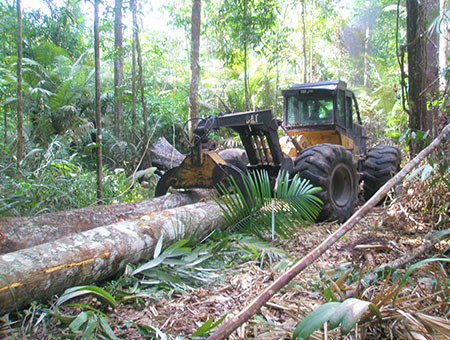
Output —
(341, 109)
(309, 110)
(349, 112)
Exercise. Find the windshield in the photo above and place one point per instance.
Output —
(309, 110)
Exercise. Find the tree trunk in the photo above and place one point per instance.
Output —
(143, 103)
(5, 117)
(366, 55)
(24, 232)
(133, 73)
(431, 68)
(444, 45)
(245, 63)
(311, 49)
(98, 104)
(195, 59)
(305, 72)
(19, 84)
(118, 69)
(416, 70)
(45, 270)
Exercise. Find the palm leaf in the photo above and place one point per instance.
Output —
(291, 205)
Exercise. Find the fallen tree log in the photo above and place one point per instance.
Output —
(23, 232)
(164, 155)
(230, 325)
(47, 269)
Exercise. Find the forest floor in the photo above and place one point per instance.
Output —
(388, 233)
(381, 240)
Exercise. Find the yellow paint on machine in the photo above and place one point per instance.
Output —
(327, 136)
(105, 254)
(319, 136)
(191, 175)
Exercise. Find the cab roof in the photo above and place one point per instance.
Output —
(322, 85)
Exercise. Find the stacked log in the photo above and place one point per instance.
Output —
(23, 232)
(41, 271)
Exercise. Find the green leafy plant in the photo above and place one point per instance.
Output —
(208, 326)
(152, 332)
(390, 293)
(292, 204)
(260, 250)
(346, 314)
(178, 266)
(91, 322)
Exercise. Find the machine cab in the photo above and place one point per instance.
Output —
(323, 113)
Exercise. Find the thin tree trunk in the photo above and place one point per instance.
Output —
(305, 72)
(98, 113)
(195, 58)
(246, 108)
(42, 271)
(228, 327)
(444, 45)
(311, 49)
(277, 85)
(416, 70)
(143, 103)
(19, 84)
(366, 54)
(5, 117)
(24, 232)
(431, 68)
(133, 73)
(118, 69)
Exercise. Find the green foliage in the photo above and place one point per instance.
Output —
(91, 322)
(47, 52)
(64, 26)
(346, 314)
(178, 266)
(54, 179)
(293, 204)
(208, 326)
(259, 250)
(87, 290)
(246, 22)
(416, 265)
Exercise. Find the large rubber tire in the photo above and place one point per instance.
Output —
(381, 164)
(330, 167)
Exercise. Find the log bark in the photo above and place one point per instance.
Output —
(22, 232)
(228, 327)
(42, 271)
(164, 155)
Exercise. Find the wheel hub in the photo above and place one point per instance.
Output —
(341, 186)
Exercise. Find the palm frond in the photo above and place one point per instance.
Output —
(291, 205)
